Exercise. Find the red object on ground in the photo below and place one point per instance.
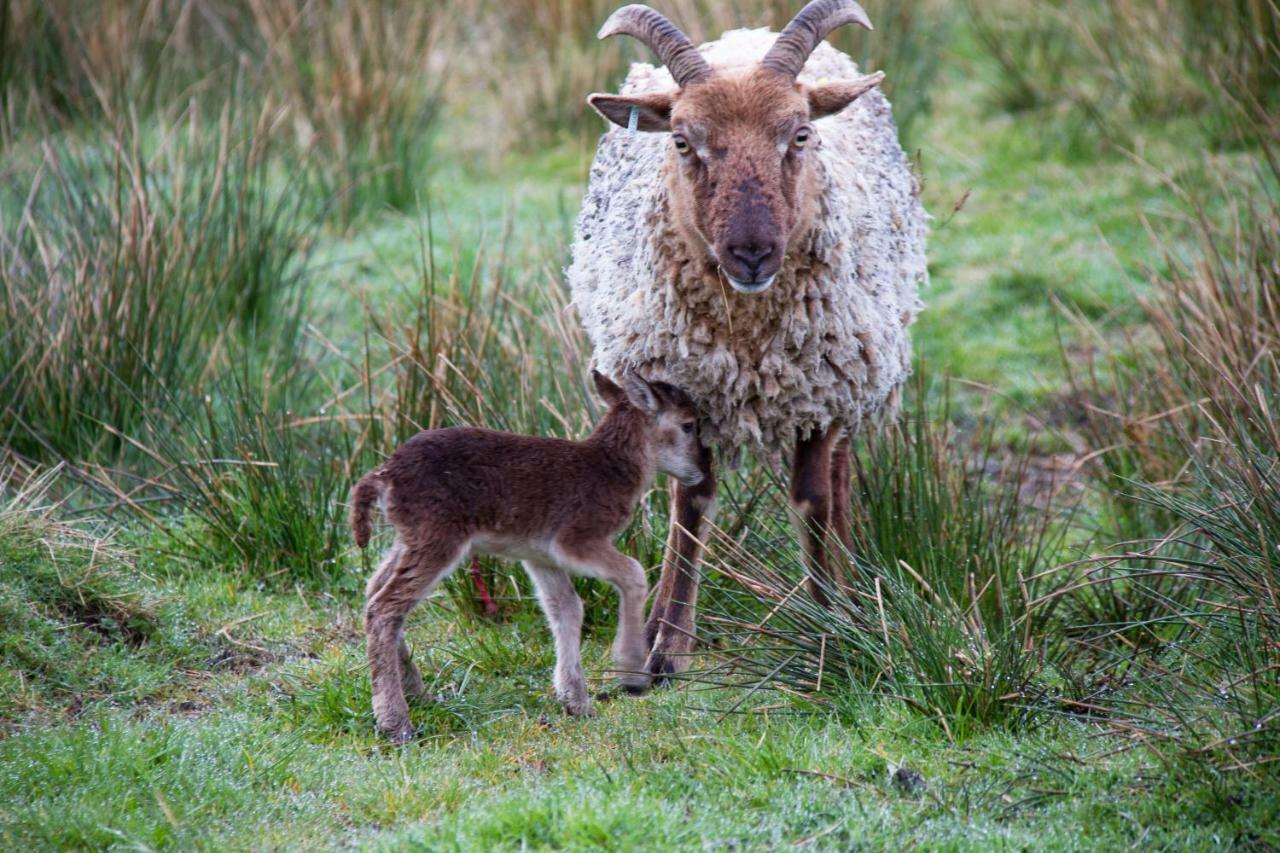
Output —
(482, 590)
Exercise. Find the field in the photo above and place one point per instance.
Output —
(248, 247)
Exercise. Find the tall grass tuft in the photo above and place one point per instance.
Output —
(944, 603)
(546, 60)
(361, 86)
(1213, 377)
(64, 62)
(470, 342)
(1107, 66)
(908, 45)
(261, 485)
(129, 266)
(359, 83)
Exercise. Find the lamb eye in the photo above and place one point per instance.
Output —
(687, 428)
(681, 144)
(801, 139)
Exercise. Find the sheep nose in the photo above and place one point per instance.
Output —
(752, 255)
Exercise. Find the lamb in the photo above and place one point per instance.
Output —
(761, 246)
(555, 505)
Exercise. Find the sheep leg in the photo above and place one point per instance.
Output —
(841, 492)
(670, 629)
(811, 506)
(563, 609)
(415, 573)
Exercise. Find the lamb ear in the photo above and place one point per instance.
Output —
(641, 393)
(610, 392)
(828, 98)
(653, 109)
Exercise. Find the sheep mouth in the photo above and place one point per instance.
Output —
(691, 478)
(757, 286)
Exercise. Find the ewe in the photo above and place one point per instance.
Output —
(555, 505)
(760, 246)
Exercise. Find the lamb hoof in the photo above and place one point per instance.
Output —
(635, 679)
(399, 733)
(579, 707)
(392, 717)
(663, 665)
(636, 684)
(412, 682)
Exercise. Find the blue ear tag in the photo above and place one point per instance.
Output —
(634, 121)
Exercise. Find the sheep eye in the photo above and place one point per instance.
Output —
(801, 138)
(681, 144)
(687, 428)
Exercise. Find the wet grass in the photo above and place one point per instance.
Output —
(276, 748)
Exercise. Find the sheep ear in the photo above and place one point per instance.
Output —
(671, 395)
(653, 109)
(641, 394)
(828, 98)
(610, 392)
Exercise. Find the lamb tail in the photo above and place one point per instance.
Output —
(368, 490)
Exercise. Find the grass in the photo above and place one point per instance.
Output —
(945, 602)
(280, 751)
(133, 263)
(249, 247)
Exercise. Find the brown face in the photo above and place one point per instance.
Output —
(677, 450)
(740, 145)
(670, 422)
(742, 186)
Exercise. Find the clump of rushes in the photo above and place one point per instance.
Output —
(908, 44)
(63, 62)
(260, 486)
(361, 86)
(1109, 65)
(560, 62)
(1211, 691)
(358, 82)
(128, 266)
(945, 603)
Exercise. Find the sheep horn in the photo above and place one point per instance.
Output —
(807, 30)
(663, 38)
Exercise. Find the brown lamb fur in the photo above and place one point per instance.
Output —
(554, 504)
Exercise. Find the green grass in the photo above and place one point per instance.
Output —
(279, 750)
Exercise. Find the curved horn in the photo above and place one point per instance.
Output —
(807, 30)
(663, 38)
